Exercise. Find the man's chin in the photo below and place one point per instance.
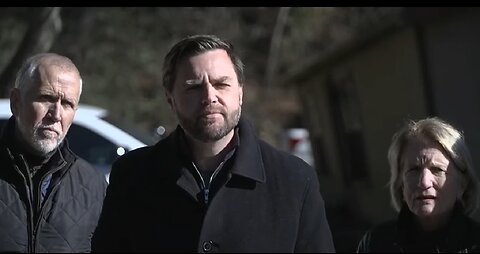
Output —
(209, 123)
(45, 147)
(210, 133)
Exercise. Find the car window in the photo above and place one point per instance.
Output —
(92, 147)
(2, 124)
(147, 138)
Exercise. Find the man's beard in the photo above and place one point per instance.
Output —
(39, 144)
(205, 130)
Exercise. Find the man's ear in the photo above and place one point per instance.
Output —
(241, 95)
(463, 187)
(169, 97)
(14, 101)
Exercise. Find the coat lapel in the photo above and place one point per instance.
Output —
(248, 162)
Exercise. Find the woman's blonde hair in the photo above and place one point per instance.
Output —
(453, 143)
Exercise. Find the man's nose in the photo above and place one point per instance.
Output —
(209, 93)
(55, 111)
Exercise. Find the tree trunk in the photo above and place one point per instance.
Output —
(45, 24)
(276, 41)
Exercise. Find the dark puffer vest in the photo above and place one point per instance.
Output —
(69, 196)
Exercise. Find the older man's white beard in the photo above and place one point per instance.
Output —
(40, 145)
(45, 146)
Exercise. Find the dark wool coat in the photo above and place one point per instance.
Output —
(271, 202)
(70, 211)
(461, 235)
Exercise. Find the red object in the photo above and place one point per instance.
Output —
(292, 142)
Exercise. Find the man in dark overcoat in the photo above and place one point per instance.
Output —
(212, 185)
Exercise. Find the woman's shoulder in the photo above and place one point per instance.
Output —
(382, 228)
(379, 237)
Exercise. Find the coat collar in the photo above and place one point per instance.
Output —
(247, 163)
(447, 237)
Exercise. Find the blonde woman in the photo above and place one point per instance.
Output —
(434, 189)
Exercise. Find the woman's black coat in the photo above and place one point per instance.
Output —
(461, 235)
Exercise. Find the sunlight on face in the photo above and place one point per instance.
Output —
(46, 111)
(207, 96)
(431, 183)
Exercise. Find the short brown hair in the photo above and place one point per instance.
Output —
(194, 45)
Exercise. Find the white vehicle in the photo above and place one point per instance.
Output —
(91, 136)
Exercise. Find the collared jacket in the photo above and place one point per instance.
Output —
(270, 202)
(461, 235)
(69, 200)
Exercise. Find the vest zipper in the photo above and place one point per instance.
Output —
(34, 225)
(47, 198)
(29, 212)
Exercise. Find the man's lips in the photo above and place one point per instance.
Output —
(210, 113)
(50, 129)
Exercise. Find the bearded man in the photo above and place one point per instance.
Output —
(211, 185)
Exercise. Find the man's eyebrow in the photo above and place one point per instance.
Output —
(200, 81)
(193, 81)
(221, 79)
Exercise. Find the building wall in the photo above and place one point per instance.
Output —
(390, 90)
(386, 81)
(380, 87)
(453, 56)
(408, 74)
(322, 138)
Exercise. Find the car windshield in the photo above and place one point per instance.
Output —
(147, 138)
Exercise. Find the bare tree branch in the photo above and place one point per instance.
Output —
(45, 24)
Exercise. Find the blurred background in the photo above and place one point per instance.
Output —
(329, 84)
